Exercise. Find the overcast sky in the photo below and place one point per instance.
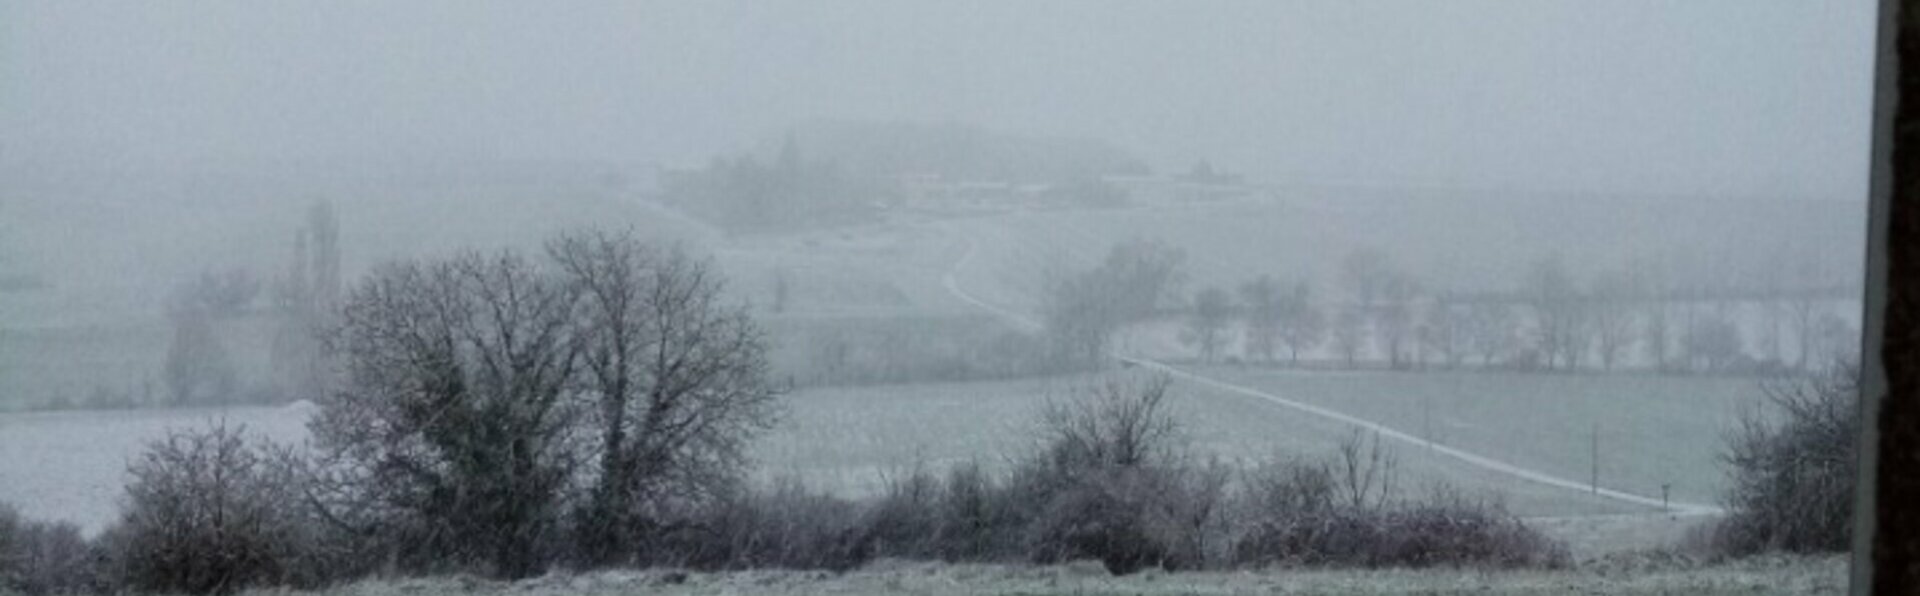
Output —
(1693, 97)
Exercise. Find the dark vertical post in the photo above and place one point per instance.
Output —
(1886, 519)
(1426, 417)
(1596, 457)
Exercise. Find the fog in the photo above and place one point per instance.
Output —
(1547, 263)
(1730, 98)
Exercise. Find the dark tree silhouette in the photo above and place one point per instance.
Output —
(678, 379)
(453, 427)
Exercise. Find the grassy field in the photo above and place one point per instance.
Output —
(1762, 577)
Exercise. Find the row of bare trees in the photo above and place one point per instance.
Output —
(1551, 320)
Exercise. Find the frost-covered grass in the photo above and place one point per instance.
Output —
(1754, 577)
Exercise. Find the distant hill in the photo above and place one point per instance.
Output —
(953, 151)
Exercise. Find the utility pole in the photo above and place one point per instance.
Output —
(1426, 418)
(1596, 457)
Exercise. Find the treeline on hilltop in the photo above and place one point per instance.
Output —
(831, 173)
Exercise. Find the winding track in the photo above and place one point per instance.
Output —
(951, 280)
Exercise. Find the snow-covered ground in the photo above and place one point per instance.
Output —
(71, 466)
(1621, 575)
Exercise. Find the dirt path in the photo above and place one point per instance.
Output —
(1025, 322)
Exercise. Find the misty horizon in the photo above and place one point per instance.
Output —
(1731, 99)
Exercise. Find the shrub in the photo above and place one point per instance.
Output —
(44, 558)
(1106, 516)
(1793, 469)
(786, 527)
(210, 512)
(1424, 535)
(1113, 482)
(977, 519)
(905, 520)
(1346, 513)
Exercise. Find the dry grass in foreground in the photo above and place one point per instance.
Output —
(1638, 575)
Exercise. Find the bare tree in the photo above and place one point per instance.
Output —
(1393, 317)
(782, 291)
(1713, 341)
(1083, 310)
(1081, 315)
(1383, 297)
(1266, 315)
(452, 430)
(1368, 472)
(1349, 334)
(1793, 467)
(1491, 327)
(305, 300)
(1146, 274)
(678, 377)
(213, 512)
(1657, 333)
(1302, 326)
(1558, 314)
(1835, 338)
(1611, 311)
(1804, 315)
(1447, 330)
(1207, 326)
(222, 295)
(1114, 423)
(1366, 272)
(198, 368)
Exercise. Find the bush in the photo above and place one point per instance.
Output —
(44, 558)
(1425, 535)
(1346, 513)
(905, 521)
(1107, 516)
(1793, 469)
(209, 512)
(1112, 481)
(977, 521)
(788, 527)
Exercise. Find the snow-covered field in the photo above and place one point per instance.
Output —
(70, 466)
